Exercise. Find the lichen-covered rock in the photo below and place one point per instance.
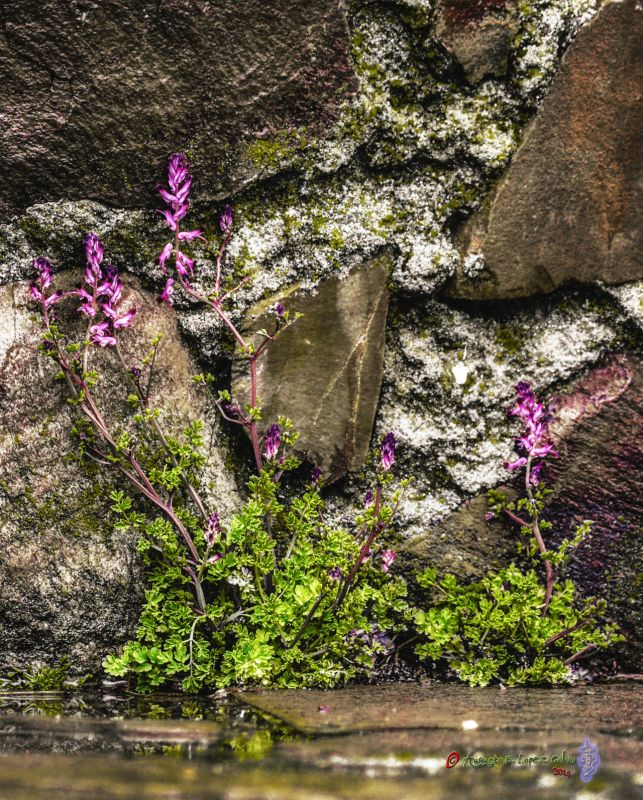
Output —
(571, 205)
(96, 96)
(325, 372)
(70, 580)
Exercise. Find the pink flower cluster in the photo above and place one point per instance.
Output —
(535, 442)
(178, 199)
(38, 288)
(106, 291)
(104, 297)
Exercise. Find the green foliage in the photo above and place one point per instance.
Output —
(271, 613)
(44, 679)
(499, 628)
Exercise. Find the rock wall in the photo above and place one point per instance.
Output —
(448, 137)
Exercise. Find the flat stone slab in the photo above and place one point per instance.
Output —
(325, 371)
(608, 709)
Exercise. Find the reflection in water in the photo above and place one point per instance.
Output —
(126, 747)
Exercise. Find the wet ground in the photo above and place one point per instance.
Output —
(390, 741)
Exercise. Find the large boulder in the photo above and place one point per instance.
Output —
(325, 372)
(70, 580)
(570, 208)
(96, 95)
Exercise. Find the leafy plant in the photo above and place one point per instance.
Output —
(513, 626)
(278, 596)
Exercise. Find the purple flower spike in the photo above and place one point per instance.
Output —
(45, 272)
(168, 291)
(315, 475)
(94, 250)
(213, 531)
(368, 498)
(280, 309)
(273, 441)
(335, 574)
(489, 516)
(225, 220)
(535, 440)
(388, 451)
(177, 171)
(136, 372)
(216, 557)
(386, 559)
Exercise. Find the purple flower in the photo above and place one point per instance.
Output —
(165, 254)
(225, 220)
(168, 291)
(279, 309)
(189, 236)
(177, 171)
(214, 558)
(386, 559)
(124, 320)
(535, 440)
(368, 498)
(184, 264)
(517, 464)
(45, 273)
(94, 250)
(136, 372)
(388, 451)
(101, 336)
(335, 574)
(489, 516)
(315, 475)
(169, 218)
(213, 531)
(273, 441)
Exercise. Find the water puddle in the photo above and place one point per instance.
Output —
(392, 741)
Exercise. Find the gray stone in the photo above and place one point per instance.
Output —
(325, 372)
(387, 707)
(70, 581)
(570, 208)
(97, 95)
(464, 543)
(478, 34)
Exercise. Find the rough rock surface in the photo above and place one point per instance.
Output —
(411, 156)
(325, 371)
(96, 95)
(478, 34)
(70, 580)
(571, 205)
(600, 477)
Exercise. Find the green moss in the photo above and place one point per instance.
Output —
(509, 338)
(275, 152)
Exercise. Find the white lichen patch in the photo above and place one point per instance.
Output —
(546, 26)
(630, 299)
(455, 435)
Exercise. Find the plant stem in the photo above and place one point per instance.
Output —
(539, 539)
